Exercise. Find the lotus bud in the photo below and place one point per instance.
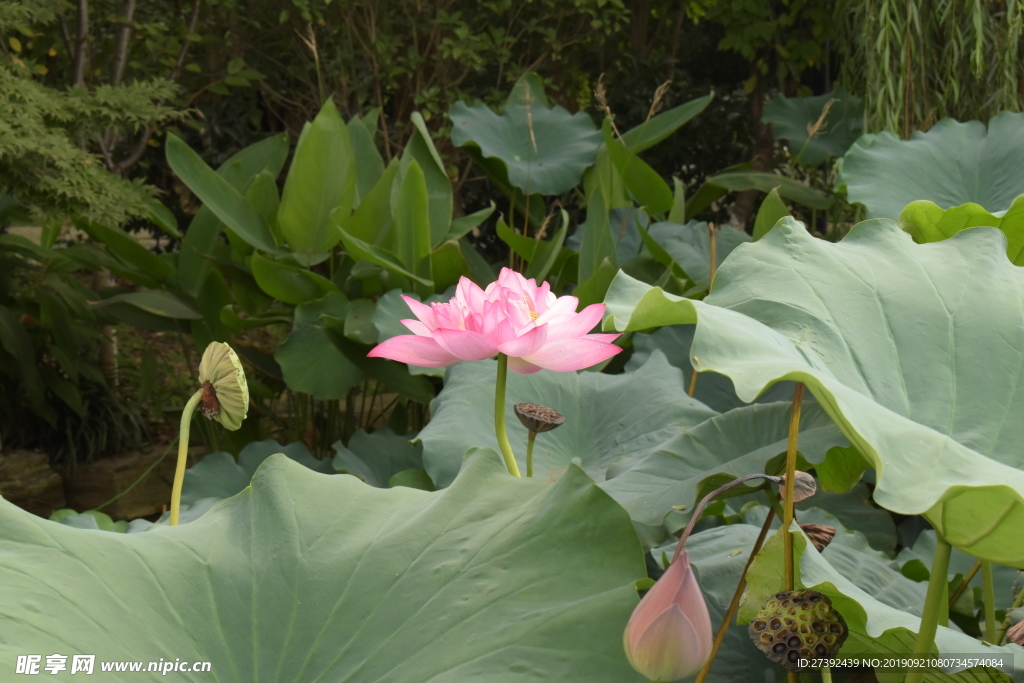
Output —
(669, 635)
(803, 488)
(225, 392)
(537, 418)
(820, 534)
(795, 625)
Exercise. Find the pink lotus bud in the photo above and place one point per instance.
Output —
(669, 635)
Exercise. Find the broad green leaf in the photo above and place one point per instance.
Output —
(926, 222)
(878, 626)
(390, 373)
(902, 344)
(376, 458)
(543, 150)
(713, 390)
(372, 220)
(219, 195)
(359, 321)
(163, 218)
(548, 252)
(593, 289)
(856, 511)
(726, 446)
(369, 166)
(608, 418)
(677, 214)
(413, 479)
(365, 251)
(737, 181)
(15, 341)
(461, 226)
(689, 246)
(643, 182)
(951, 164)
(772, 210)
(321, 180)
(219, 475)
(266, 584)
(792, 118)
(128, 249)
(420, 149)
(156, 301)
(412, 223)
(447, 264)
(529, 90)
(309, 361)
(262, 194)
(653, 131)
(288, 283)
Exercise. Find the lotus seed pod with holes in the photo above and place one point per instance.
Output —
(538, 418)
(803, 488)
(225, 392)
(795, 625)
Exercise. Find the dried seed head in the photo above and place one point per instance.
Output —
(803, 488)
(1016, 633)
(820, 534)
(538, 418)
(225, 391)
(795, 625)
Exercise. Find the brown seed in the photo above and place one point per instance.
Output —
(538, 418)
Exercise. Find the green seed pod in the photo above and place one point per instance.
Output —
(795, 625)
(225, 392)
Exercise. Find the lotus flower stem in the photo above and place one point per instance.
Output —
(934, 602)
(963, 584)
(179, 471)
(529, 453)
(707, 499)
(499, 417)
(1006, 624)
(723, 628)
(826, 675)
(989, 597)
(787, 500)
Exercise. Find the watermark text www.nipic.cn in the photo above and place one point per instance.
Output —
(86, 664)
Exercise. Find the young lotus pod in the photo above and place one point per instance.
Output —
(795, 625)
(803, 487)
(225, 392)
(669, 635)
(820, 534)
(537, 418)
(1016, 633)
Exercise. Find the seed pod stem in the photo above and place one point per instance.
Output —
(179, 470)
(529, 453)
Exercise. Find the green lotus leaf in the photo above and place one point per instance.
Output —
(220, 475)
(309, 360)
(726, 446)
(856, 511)
(689, 246)
(880, 609)
(951, 164)
(713, 390)
(927, 222)
(376, 458)
(608, 418)
(304, 577)
(793, 117)
(544, 150)
(909, 348)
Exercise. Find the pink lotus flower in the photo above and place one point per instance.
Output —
(513, 316)
(669, 635)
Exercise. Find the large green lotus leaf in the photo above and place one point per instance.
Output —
(304, 577)
(728, 445)
(927, 222)
(544, 150)
(377, 457)
(793, 117)
(951, 164)
(856, 511)
(879, 608)
(219, 475)
(689, 246)
(713, 390)
(911, 349)
(608, 418)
